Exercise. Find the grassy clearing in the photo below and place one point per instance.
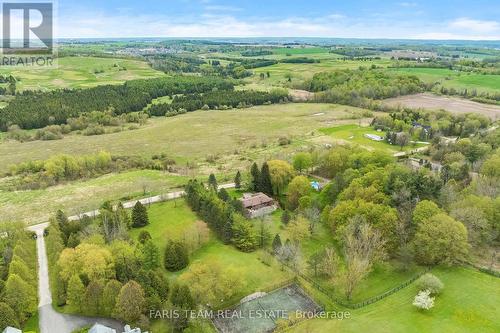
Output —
(170, 220)
(82, 72)
(455, 79)
(229, 135)
(302, 72)
(469, 303)
(76, 197)
(356, 134)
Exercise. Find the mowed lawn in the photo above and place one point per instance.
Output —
(170, 220)
(192, 136)
(82, 72)
(37, 206)
(356, 134)
(469, 303)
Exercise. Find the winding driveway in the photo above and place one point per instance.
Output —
(51, 321)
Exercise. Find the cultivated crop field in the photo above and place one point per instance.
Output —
(451, 104)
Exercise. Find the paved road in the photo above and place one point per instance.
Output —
(51, 321)
(145, 201)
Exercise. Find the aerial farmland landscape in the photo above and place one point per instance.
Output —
(213, 166)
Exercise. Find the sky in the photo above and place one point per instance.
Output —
(471, 20)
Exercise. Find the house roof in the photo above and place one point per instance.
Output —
(98, 328)
(256, 200)
(9, 329)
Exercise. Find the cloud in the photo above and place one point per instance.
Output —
(216, 22)
(407, 4)
(475, 25)
(220, 8)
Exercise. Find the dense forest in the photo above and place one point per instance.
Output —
(39, 109)
(352, 87)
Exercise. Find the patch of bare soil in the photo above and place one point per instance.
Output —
(451, 104)
(301, 95)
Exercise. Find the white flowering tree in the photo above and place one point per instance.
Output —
(423, 300)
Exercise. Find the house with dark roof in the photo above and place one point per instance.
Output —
(258, 205)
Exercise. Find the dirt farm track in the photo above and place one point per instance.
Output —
(452, 104)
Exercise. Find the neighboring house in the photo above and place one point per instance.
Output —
(127, 329)
(258, 205)
(9, 329)
(98, 328)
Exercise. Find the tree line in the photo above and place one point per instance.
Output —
(59, 168)
(18, 277)
(39, 109)
(98, 270)
(217, 100)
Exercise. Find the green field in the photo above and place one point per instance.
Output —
(469, 303)
(300, 50)
(355, 134)
(302, 72)
(170, 220)
(82, 72)
(229, 135)
(455, 79)
(76, 197)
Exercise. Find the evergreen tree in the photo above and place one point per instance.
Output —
(223, 195)
(130, 302)
(20, 296)
(7, 317)
(227, 233)
(181, 297)
(144, 236)
(139, 216)
(93, 298)
(285, 217)
(276, 243)
(212, 182)
(176, 256)
(159, 283)
(245, 237)
(255, 178)
(73, 240)
(265, 180)
(110, 296)
(151, 256)
(237, 180)
(76, 291)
